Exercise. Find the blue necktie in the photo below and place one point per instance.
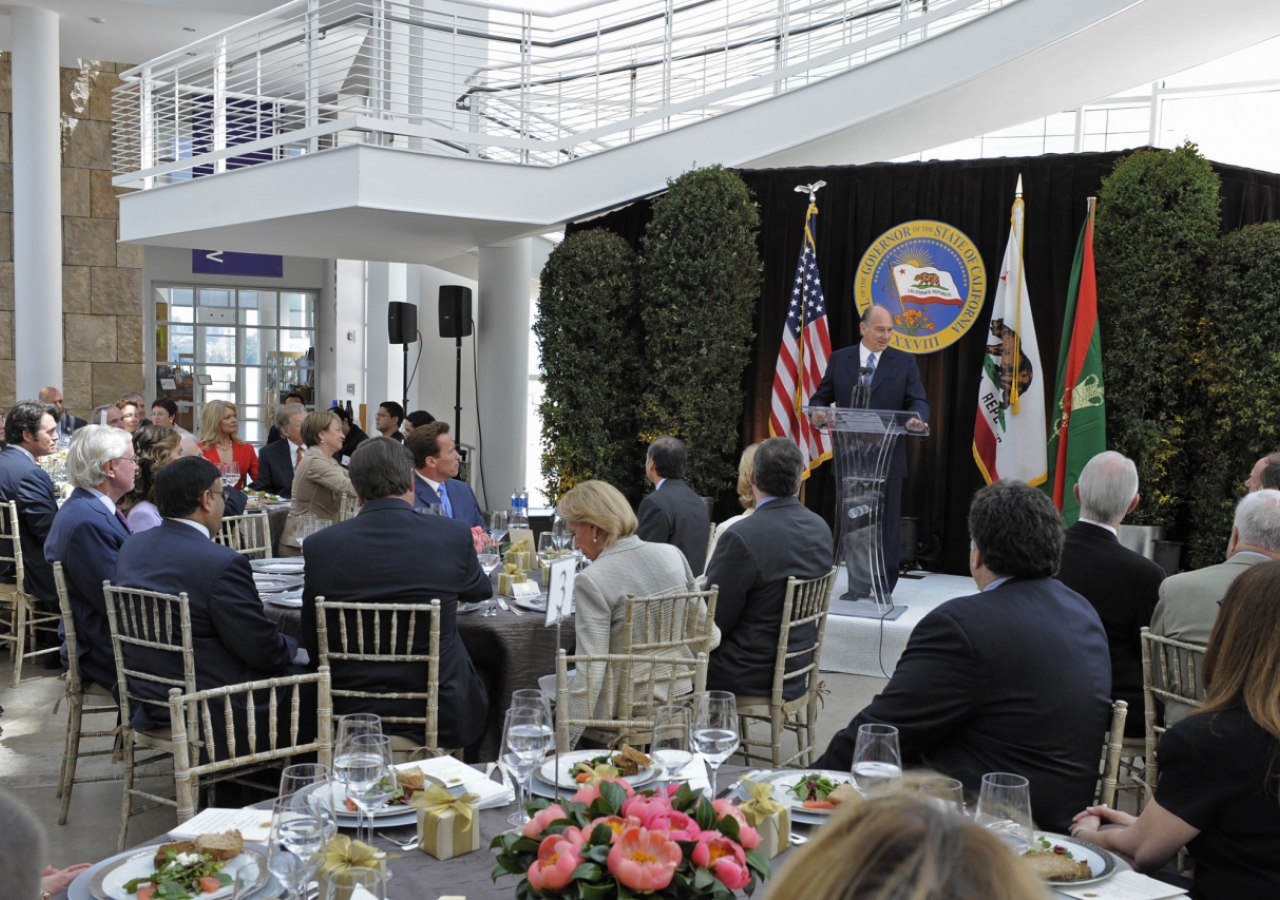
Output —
(444, 501)
(871, 364)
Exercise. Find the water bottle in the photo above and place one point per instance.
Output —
(520, 508)
(524, 506)
(514, 521)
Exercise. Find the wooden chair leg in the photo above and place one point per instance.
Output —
(70, 756)
(19, 636)
(126, 800)
(776, 721)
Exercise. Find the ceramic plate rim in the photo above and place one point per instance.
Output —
(98, 890)
(570, 759)
(796, 806)
(527, 604)
(1108, 859)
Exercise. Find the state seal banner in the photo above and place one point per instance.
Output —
(1079, 419)
(1009, 430)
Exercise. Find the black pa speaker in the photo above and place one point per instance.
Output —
(455, 311)
(402, 322)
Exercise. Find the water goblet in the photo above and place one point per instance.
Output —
(547, 549)
(305, 784)
(371, 775)
(715, 729)
(343, 885)
(1004, 806)
(670, 746)
(344, 752)
(498, 525)
(526, 738)
(877, 761)
(945, 793)
(296, 844)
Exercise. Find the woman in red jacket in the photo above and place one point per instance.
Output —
(219, 423)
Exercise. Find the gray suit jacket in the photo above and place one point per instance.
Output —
(674, 514)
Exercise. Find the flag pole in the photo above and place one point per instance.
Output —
(1017, 316)
(812, 191)
(1093, 209)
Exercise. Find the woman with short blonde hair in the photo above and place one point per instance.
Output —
(601, 507)
(745, 496)
(319, 483)
(130, 415)
(221, 442)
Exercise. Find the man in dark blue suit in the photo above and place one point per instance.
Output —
(278, 460)
(895, 385)
(86, 537)
(436, 460)
(67, 423)
(1016, 678)
(232, 637)
(30, 430)
(423, 558)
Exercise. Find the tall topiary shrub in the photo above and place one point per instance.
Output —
(699, 280)
(1236, 381)
(592, 344)
(1157, 225)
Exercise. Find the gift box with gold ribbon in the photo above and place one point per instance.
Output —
(448, 826)
(341, 854)
(520, 554)
(771, 819)
(509, 576)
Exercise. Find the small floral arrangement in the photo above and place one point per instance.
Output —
(611, 842)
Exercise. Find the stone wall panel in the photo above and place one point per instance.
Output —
(129, 256)
(129, 339)
(89, 338)
(75, 192)
(77, 387)
(111, 380)
(6, 187)
(75, 290)
(88, 242)
(86, 143)
(102, 195)
(116, 292)
(6, 334)
(6, 137)
(6, 237)
(6, 285)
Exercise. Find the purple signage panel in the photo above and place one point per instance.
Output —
(225, 262)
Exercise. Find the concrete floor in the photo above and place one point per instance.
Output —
(31, 756)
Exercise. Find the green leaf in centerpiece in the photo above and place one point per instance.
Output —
(586, 872)
(601, 835)
(702, 879)
(704, 814)
(524, 844)
(598, 853)
(595, 891)
(615, 794)
(760, 863)
(684, 798)
(729, 827)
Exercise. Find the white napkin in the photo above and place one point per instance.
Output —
(360, 892)
(1123, 886)
(695, 772)
(253, 824)
(450, 772)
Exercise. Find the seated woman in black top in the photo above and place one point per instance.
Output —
(1219, 787)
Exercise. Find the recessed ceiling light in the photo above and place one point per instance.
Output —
(97, 21)
(188, 29)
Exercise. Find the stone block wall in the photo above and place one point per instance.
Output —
(102, 311)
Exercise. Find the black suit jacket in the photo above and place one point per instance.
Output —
(751, 565)
(391, 554)
(232, 637)
(25, 482)
(895, 386)
(275, 469)
(674, 514)
(1016, 679)
(1124, 588)
(68, 424)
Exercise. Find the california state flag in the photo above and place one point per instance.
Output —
(1009, 433)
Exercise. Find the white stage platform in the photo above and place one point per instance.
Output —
(858, 646)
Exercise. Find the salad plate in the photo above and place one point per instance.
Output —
(79, 889)
(110, 882)
(592, 758)
(789, 788)
(1101, 863)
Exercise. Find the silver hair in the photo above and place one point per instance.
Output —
(283, 413)
(1108, 484)
(92, 447)
(1258, 520)
(22, 852)
(98, 416)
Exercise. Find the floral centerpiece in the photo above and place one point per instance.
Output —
(611, 842)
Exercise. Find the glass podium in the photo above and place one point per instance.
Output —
(862, 445)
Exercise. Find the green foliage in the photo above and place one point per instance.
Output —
(699, 280)
(1236, 381)
(1157, 224)
(592, 344)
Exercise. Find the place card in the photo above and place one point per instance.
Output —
(1123, 886)
(253, 824)
(525, 590)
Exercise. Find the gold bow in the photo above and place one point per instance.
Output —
(344, 853)
(759, 804)
(520, 546)
(435, 799)
(511, 568)
(604, 770)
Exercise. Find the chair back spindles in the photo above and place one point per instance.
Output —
(249, 534)
(22, 617)
(1179, 664)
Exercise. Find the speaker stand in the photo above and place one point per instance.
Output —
(405, 392)
(457, 381)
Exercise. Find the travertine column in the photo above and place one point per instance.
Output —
(502, 351)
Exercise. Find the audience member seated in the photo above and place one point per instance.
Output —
(234, 502)
(153, 445)
(21, 852)
(1218, 793)
(903, 846)
(622, 565)
(1189, 602)
(745, 497)
(274, 434)
(753, 561)
(130, 415)
(165, 412)
(416, 419)
(436, 482)
(232, 638)
(219, 424)
(87, 533)
(279, 461)
(1015, 678)
(30, 430)
(673, 513)
(425, 558)
(107, 414)
(1265, 474)
(352, 436)
(67, 423)
(388, 420)
(1123, 586)
(140, 403)
(319, 484)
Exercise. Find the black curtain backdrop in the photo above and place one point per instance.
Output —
(858, 204)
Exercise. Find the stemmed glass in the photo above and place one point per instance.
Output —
(547, 549)
(371, 774)
(1004, 806)
(877, 761)
(351, 727)
(295, 848)
(304, 784)
(498, 525)
(945, 793)
(306, 525)
(230, 473)
(531, 698)
(488, 554)
(526, 738)
(560, 532)
(715, 729)
(670, 747)
(343, 885)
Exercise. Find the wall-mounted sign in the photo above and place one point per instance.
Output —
(930, 276)
(225, 262)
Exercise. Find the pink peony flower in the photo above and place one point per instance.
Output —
(538, 824)
(591, 792)
(644, 860)
(617, 824)
(724, 858)
(645, 808)
(678, 825)
(747, 836)
(557, 858)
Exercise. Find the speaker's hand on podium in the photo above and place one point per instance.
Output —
(915, 425)
(818, 419)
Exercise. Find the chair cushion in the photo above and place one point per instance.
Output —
(402, 744)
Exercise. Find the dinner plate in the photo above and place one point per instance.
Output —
(568, 760)
(1101, 862)
(533, 604)
(288, 599)
(464, 608)
(270, 584)
(79, 888)
(386, 817)
(278, 566)
(785, 779)
(109, 882)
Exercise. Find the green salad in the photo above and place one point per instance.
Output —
(183, 876)
(813, 787)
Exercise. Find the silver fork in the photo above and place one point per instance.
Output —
(503, 604)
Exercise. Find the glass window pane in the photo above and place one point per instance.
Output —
(214, 297)
(297, 310)
(182, 296)
(219, 344)
(248, 299)
(267, 311)
(180, 346)
(295, 341)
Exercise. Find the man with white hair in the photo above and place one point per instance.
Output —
(86, 537)
(1189, 602)
(1121, 585)
(107, 414)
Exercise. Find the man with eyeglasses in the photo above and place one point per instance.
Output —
(86, 537)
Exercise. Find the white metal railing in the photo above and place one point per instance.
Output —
(488, 81)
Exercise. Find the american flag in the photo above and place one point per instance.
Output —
(806, 346)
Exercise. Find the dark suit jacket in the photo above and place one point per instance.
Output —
(275, 469)
(68, 424)
(416, 559)
(752, 563)
(674, 514)
(232, 637)
(1016, 679)
(25, 482)
(462, 500)
(1124, 588)
(86, 538)
(353, 440)
(895, 386)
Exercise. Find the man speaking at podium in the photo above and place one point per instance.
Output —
(894, 384)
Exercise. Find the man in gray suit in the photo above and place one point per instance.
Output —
(673, 513)
(1189, 602)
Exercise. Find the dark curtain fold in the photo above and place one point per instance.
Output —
(858, 204)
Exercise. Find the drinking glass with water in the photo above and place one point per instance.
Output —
(877, 761)
(671, 745)
(1004, 806)
(526, 738)
(715, 729)
(351, 727)
(297, 841)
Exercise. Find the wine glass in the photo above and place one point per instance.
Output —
(945, 793)
(526, 738)
(488, 555)
(297, 840)
(560, 532)
(304, 527)
(230, 473)
(533, 698)
(350, 727)
(547, 549)
(342, 885)
(304, 783)
(715, 729)
(877, 761)
(371, 774)
(670, 747)
(245, 878)
(498, 525)
(1004, 806)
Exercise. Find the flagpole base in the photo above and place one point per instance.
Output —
(866, 609)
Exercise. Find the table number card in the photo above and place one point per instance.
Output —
(560, 589)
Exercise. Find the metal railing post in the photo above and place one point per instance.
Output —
(220, 103)
(146, 127)
(313, 87)
(526, 38)
(668, 34)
